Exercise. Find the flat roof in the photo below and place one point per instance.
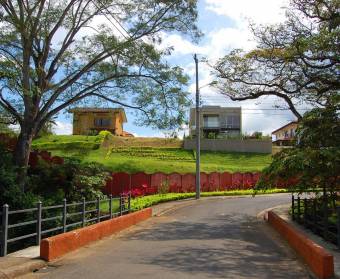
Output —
(93, 109)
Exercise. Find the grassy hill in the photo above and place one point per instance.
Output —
(148, 154)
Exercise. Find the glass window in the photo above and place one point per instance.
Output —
(102, 122)
(211, 121)
(233, 121)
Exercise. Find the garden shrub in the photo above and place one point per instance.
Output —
(10, 193)
(71, 180)
(105, 135)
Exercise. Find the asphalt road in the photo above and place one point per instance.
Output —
(211, 238)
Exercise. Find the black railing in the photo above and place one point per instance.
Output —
(319, 214)
(39, 222)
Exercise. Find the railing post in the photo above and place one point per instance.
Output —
(298, 209)
(39, 212)
(305, 211)
(325, 217)
(338, 223)
(64, 215)
(129, 201)
(83, 221)
(110, 206)
(315, 220)
(4, 235)
(293, 209)
(98, 209)
(121, 205)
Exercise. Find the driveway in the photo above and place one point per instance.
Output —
(210, 238)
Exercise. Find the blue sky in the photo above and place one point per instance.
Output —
(225, 25)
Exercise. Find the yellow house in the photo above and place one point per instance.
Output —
(286, 134)
(89, 120)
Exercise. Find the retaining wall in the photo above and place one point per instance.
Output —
(231, 145)
(142, 183)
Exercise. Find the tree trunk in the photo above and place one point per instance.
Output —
(21, 156)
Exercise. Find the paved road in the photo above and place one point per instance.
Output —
(211, 238)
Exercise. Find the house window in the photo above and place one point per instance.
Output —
(102, 122)
(211, 121)
(233, 121)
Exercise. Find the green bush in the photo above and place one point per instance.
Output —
(71, 180)
(10, 193)
(105, 135)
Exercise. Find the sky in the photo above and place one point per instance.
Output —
(225, 27)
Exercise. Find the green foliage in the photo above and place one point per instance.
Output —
(211, 135)
(296, 59)
(105, 135)
(46, 130)
(39, 78)
(70, 180)
(10, 193)
(164, 187)
(149, 155)
(84, 143)
(147, 201)
(92, 132)
(314, 163)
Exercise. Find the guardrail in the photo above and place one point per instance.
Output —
(51, 220)
(317, 215)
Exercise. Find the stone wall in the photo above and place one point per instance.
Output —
(231, 145)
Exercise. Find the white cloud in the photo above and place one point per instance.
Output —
(62, 128)
(259, 11)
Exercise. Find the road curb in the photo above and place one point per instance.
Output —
(317, 258)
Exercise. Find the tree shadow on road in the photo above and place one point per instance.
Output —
(229, 246)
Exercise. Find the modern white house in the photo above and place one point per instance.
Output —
(218, 120)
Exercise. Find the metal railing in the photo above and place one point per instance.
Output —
(51, 220)
(319, 216)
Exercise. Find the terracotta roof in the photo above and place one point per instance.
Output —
(74, 110)
(292, 122)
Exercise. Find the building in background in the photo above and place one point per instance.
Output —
(285, 135)
(93, 120)
(216, 121)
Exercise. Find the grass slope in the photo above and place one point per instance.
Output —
(148, 155)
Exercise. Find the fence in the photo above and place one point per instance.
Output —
(141, 183)
(40, 221)
(321, 215)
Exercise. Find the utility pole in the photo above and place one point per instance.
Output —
(198, 134)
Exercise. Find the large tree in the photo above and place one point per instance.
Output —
(54, 54)
(297, 60)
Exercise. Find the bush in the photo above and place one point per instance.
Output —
(105, 135)
(211, 135)
(71, 180)
(10, 193)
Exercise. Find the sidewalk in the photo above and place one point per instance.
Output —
(21, 262)
(282, 211)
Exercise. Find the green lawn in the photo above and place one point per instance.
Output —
(149, 159)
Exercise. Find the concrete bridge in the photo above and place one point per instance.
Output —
(211, 238)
